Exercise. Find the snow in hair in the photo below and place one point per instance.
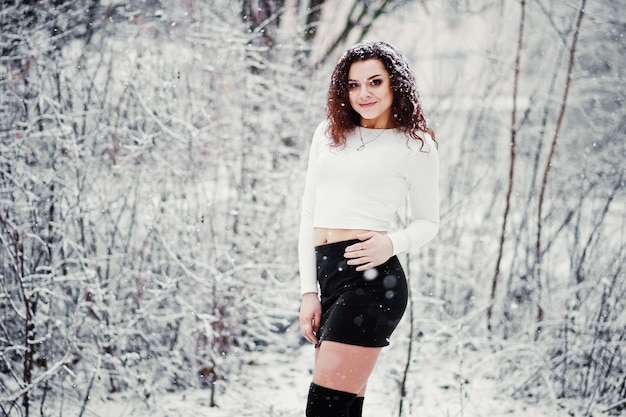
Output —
(379, 49)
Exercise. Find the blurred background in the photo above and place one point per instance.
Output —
(152, 157)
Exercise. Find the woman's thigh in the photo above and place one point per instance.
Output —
(344, 367)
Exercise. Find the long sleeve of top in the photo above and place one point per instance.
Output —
(361, 186)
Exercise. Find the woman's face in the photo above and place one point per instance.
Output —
(369, 90)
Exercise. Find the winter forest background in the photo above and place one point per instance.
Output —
(152, 157)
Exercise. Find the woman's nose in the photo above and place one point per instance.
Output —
(364, 91)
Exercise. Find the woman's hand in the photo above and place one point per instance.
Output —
(310, 316)
(373, 249)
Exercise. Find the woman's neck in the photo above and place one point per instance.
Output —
(379, 123)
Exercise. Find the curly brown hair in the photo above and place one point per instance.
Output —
(406, 108)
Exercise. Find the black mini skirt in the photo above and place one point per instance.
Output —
(358, 307)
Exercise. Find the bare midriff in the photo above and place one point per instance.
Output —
(323, 236)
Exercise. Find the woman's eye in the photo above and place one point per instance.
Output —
(352, 86)
(376, 82)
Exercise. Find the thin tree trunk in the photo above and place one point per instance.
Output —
(509, 192)
(544, 184)
(409, 353)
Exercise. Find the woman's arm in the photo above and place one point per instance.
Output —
(423, 199)
(306, 247)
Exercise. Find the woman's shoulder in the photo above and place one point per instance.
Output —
(323, 124)
(322, 127)
(321, 132)
(320, 136)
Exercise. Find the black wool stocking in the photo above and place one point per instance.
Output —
(326, 402)
(356, 409)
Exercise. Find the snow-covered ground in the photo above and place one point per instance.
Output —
(276, 386)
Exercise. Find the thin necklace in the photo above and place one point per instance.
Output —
(362, 146)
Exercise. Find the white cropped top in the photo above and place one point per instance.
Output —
(362, 187)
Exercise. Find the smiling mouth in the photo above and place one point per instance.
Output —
(367, 104)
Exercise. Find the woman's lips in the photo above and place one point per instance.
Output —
(367, 104)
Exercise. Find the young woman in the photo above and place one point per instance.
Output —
(373, 150)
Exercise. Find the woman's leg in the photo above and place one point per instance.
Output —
(341, 373)
(344, 367)
(328, 402)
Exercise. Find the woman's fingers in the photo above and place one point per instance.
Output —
(307, 332)
(368, 266)
(358, 252)
(310, 316)
(373, 250)
(306, 329)
(364, 244)
(352, 249)
(309, 329)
